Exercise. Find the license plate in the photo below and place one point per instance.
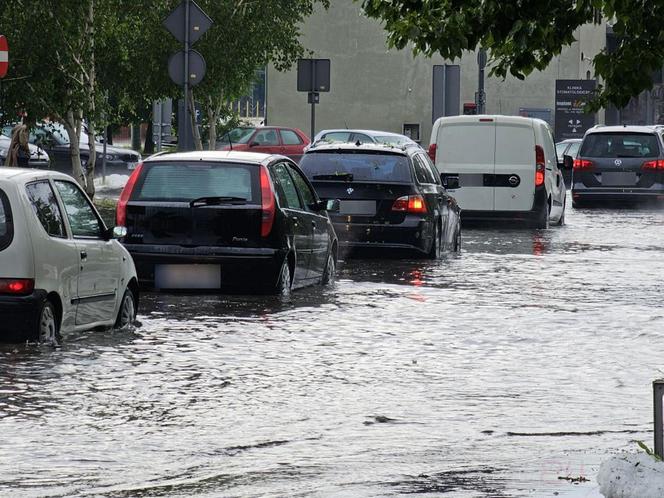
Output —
(131, 165)
(187, 276)
(366, 208)
(618, 178)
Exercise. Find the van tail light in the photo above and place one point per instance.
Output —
(583, 165)
(432, 152)
(413, 204)
(539, 166)
(16, 286)
(268, 204)
(121, 209)
(657, 165)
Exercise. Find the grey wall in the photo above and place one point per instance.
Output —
(380, 88)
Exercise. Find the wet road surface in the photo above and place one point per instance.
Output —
(499, 372)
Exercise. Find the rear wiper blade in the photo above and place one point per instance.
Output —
(335, 176)
(211, 201)
(627, 155)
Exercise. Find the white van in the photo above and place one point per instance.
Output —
(500, 168)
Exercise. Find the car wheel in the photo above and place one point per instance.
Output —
(284, 281)
(330, 270)
(543, 218)
(48, 328)
(127, 311)
(561, 221)
(435, 251)
(457, 240)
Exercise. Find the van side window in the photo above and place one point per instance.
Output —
(45, 206)
(6, 222)
(82, 217)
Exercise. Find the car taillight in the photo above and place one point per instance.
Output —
(432, 152)
(121, 209)
(582, 164)
(653, 165)
(17, 286)
(539, 166)
(267, 203)
(410, 204)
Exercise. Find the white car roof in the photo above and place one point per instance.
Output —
(214, 155)
(377, 147)
(29, 174)
(621, 128)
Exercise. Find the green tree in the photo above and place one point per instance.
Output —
(524, 35)
(245, 36)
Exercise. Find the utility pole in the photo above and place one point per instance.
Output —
(481, 95)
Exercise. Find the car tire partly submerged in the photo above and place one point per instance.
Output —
(48, 326)
(330, 270)
(284, 281)
(127, 311)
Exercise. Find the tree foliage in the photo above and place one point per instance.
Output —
(524, 35)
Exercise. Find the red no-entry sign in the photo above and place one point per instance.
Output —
(4, 56)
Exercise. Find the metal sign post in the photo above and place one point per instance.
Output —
(658, 395)
(313, 76)
(187, 23)
(481, 95)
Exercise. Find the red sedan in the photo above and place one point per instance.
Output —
(267, 139)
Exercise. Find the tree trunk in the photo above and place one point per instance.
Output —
(148, 148)
(195, 132)
(213, 116)
(72, 124)
(92, 81)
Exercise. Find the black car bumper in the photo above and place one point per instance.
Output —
(617, 195)
(240, 268)
(19, 316)
(412, 234)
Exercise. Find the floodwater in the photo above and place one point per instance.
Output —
(501, 372)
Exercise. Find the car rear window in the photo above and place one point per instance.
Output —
(364, 167)
(183, 181)
(620, 145)
(6, 222)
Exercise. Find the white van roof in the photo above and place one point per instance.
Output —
(474, 118)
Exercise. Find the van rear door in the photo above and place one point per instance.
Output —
(514, 164)
(465, 149)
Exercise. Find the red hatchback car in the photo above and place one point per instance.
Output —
(266, 139)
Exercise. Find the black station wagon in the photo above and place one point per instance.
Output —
(390, 197)
(226, 220)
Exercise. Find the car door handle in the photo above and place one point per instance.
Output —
(313, 223)
(84, 255)
(295, 220)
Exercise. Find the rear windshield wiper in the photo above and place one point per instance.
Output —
(215, 201)
(335, 176)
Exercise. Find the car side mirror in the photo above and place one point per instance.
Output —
(115, 233)
(568, 162)
(449, 182)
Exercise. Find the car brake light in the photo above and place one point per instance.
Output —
(539, 166)
(653, 165)
(432, 152)
(582, 164)
(267, 203)
(413, 204)
(16, 286)
(121, 209)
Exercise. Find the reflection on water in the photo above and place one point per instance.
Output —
(493, 373)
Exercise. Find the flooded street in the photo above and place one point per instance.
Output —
(526, 359)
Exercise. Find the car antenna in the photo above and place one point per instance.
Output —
(345, 124)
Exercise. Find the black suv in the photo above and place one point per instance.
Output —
(226, 220)
(618, 164)
(390, 197)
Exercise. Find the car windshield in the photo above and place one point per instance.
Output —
(356, 166)
(237, 136)
(188, 181)
(392, 139)
(620, 145)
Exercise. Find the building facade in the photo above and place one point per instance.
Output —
(374, 87)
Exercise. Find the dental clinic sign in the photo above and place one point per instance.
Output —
(571, 96)
(4, 56)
